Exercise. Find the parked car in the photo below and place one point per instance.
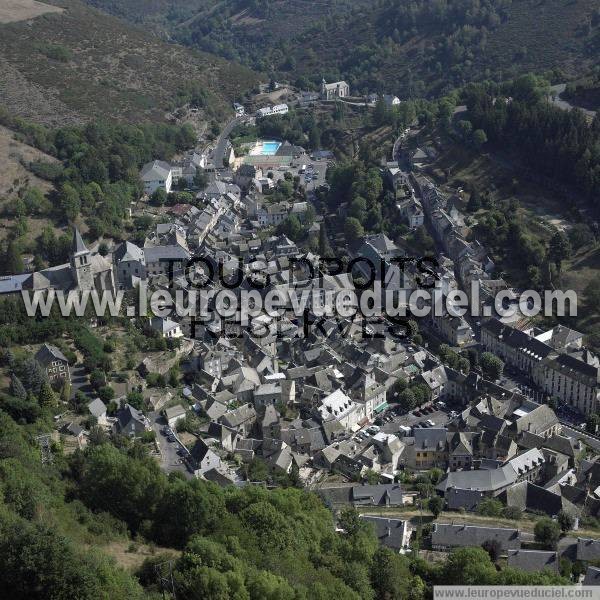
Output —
(374, 429)
(430, 423)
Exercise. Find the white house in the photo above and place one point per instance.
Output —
(174, 414)
(97, 409)
(341, 408)
(391, 100)
(157, 174)
(166, 327)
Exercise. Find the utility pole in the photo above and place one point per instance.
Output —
(164, 571)
(43, 441)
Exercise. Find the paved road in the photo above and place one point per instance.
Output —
(555, 93)
(170, 461)
(219, 152)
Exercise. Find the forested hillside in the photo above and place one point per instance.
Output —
(408, 48)
(69, 66)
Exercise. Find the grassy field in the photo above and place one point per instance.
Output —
(80, 63)
(22, 10)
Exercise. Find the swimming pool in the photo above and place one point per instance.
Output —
(266, 148)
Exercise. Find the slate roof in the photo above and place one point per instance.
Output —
(588, 549)
(47, 353)
(389, 532)
(449, 535)
(77, 244)
(390, 493)
(157, 169)
(528, 496)
(97, 408)
(533, 560)
(128, 251)
(458, 498)
(480, 480)
(156, 253)
(592, 576)
(433, 438)
(540, 419)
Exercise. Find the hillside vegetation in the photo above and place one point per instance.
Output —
(80, 63)
(408, 48)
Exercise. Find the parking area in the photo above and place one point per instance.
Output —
(171, 451)
(424, 417)
(390, 422)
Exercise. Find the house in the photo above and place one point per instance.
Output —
(97, 409)
(392, 533)
(163, 260)
(174, 414)
(389, 494)
(131, 421)
(533, 561)
(203, 459)
(331, 91)
(166, 327)
(411, 211)
(242, 419)
(430, 448)
(267, 394)
(339, 407)
(54, 363)
(130, 265)
(445, 536)
(156, 174)
(542, 421)
(391, 100)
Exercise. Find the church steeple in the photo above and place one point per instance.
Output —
(78, 246)
(81, 267)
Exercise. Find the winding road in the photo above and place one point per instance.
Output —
(555, 93)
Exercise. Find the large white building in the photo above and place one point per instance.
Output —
(269, 111)
(564, 372)
(157, 174)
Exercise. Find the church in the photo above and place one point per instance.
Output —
(85, 270)
(331, 91)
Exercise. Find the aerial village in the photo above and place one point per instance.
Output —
(378, 422)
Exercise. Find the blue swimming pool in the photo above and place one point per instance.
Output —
(269, 148)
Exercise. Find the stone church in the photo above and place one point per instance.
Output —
(85, 270)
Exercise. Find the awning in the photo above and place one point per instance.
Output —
(381, 407)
